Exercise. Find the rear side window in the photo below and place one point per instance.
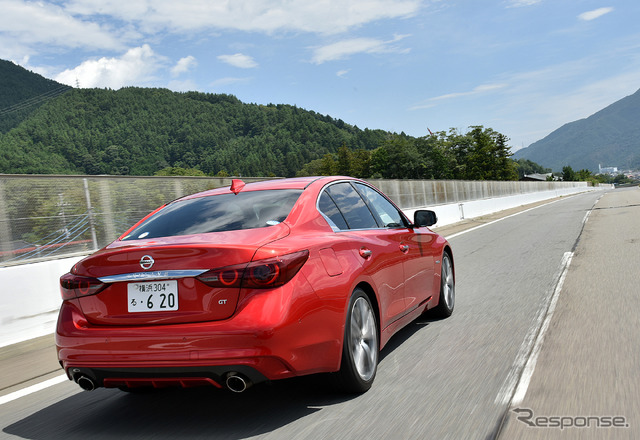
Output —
(352, 208)
(328, 207)
(225, 212)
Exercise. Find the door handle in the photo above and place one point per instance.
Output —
(365, 253)
(404, 248)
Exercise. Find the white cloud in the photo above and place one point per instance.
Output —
(239, 60)
(596, 13)
(33, 27)
(45, 23)
(484, 88)
(136, 67)
(346, 48)
(183, 65)
(327, 16)
(342, 73)
(11, 49)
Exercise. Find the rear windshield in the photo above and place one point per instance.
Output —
(226, 212)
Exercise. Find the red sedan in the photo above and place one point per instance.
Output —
(248, 283)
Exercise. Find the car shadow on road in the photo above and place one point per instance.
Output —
(191, 413)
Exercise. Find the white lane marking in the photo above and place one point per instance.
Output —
(527, 373)
(499, 220)
(33, 389)
(533, 335)
(506, 390)
(513, 391)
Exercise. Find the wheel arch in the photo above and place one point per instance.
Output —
(447, 250)
(373, 299)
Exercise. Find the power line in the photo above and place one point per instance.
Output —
(39, 99)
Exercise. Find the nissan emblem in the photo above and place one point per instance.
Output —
(146, 262)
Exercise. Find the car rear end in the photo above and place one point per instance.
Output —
(181, 299)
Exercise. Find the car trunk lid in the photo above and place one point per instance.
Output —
(154, 282)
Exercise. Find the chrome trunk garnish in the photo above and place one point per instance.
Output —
(150, 276)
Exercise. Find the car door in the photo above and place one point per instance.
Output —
(378, 248)
(415, 244)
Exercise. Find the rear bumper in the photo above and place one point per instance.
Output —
(163, 377)
(274, 336)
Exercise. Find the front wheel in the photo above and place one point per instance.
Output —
(360, 346)
(447, 300)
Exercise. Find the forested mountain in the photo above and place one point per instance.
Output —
(22, 92)
(140, 131)
(610, 137)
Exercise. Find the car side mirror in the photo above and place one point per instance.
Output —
(424, 217)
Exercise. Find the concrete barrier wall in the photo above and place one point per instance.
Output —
(449, 213)
(30, 299)
(30, 294)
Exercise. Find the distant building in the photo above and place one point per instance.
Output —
(536, 177)
(608, 170)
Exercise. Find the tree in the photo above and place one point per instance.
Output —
(343, 164)
(506, 169)
(568, 175)
(584, 175)
(360, 164)
(313, 168)
(178, 171)
(379, 162)
(526, 166)
(328, 166)
(400, 160)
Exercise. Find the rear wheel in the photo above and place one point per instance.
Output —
(360, 347)
(444, 309)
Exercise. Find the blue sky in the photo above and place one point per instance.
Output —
(521, 67)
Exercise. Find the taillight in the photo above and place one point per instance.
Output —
(76, 286)
(262, 274)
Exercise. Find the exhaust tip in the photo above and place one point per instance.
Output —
(86, 383)
(237, 383)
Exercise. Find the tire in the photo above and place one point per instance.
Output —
(360, 346)
(447, 300)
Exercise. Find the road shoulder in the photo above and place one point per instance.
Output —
(27, 363)
(586, 382)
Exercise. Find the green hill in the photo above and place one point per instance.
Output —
(139, 131)
(610, 137)
(142, 131)
(22, 92)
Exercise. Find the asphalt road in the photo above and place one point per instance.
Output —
(586, 376)
(454, 378)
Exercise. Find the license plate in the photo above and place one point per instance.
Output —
(152, 296)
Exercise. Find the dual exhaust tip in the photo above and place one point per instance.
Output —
(234, 381)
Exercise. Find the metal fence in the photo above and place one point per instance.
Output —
(45, 217)
(409, 194)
